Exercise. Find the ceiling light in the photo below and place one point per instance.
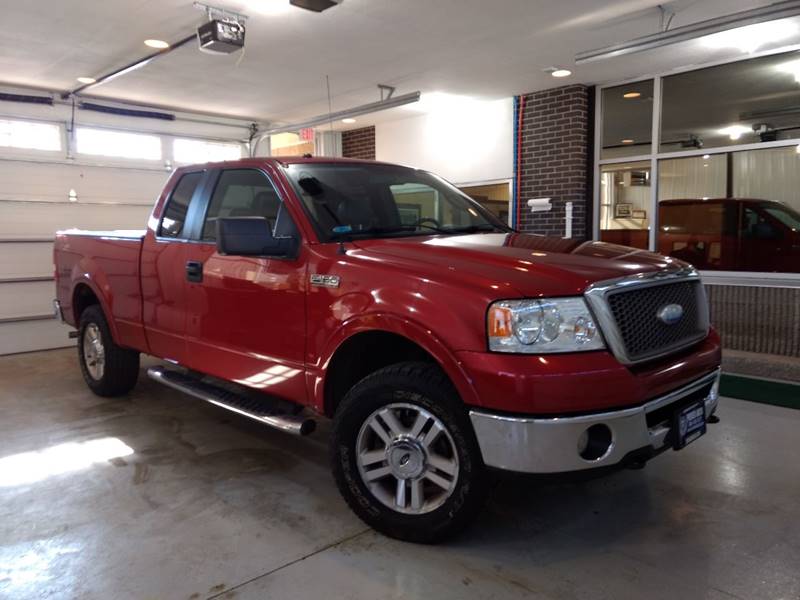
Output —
(627, 141)
(561, 73)
(157, 44)
(631, 95)
(269, 7)
(764, 14)
(706, 156)
(348, 120)
(735, 131)
(87, 80)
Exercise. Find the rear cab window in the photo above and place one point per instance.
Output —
(173, 220)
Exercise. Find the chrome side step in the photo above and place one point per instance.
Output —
(238, 403)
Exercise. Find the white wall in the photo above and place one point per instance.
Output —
(466, 141)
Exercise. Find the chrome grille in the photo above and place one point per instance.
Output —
(627, 311)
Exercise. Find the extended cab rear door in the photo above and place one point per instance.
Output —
(247, 315)
(163, 267)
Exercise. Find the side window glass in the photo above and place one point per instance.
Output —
(246, 193)
(174, 217)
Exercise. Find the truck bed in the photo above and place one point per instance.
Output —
(107, 265)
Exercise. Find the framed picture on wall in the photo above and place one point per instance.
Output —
(639, 214)
(623, 210)
(409, 213)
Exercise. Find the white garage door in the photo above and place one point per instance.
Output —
(34, 204)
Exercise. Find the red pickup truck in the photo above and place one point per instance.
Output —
(441, 342)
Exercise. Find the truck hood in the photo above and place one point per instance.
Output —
(533, 265)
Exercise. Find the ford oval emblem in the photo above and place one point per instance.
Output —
(670, 314)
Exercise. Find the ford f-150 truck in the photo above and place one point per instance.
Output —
(439, 341)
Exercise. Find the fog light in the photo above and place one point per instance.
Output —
(598, 442)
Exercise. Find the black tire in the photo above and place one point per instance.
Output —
(425, 386)
(121, 365)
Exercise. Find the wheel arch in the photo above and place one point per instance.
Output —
(373, 342)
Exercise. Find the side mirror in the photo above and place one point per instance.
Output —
(251, 236)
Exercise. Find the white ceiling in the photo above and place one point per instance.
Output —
(480, 48)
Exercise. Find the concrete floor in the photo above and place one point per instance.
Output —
(206, 504)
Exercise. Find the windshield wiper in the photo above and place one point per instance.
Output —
(372, 231)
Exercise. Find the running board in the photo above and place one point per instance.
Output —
(238, 403)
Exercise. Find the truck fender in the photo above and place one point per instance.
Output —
(386, 322)
(83, 274)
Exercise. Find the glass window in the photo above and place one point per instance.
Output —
(33, 136)
(732, 212)
(745, 102)
(243, 193)
(625, 204)
(385, 200)
(178, 206)
(694, 177)
(104, 142)
(494, 197)
(627, 120)
(199, 151)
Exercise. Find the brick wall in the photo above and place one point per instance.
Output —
(554, 162)
(359, 143)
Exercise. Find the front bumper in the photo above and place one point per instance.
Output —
(551, 445)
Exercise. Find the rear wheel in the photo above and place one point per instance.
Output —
(404, 454)
(108, 369)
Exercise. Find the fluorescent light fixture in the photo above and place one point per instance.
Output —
(87, 80)
(157, 44)
(797, 149)
(764, 14)
(561, 73)
(752, 37)
(627, 141)
(348, 120)
(631, 95)
(735, 131)
(706, 156)
(269, 7)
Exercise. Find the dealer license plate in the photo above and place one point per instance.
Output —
(689, 424)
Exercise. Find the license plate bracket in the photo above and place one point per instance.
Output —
(688, 424)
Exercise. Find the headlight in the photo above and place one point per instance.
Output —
(540, 326)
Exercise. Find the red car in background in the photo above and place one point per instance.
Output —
(731, 234)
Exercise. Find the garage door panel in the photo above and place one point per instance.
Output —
(19, 260)
(42, 220)
(26, 299)
(52, 182)
(27, 336)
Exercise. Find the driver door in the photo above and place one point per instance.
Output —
(247, 315)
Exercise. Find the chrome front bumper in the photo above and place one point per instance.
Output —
(551, 445)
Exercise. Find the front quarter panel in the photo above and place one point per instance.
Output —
(374, 295)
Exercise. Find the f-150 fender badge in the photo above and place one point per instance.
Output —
(331, 281)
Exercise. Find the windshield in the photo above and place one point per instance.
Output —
(367, 200)
(784, 214)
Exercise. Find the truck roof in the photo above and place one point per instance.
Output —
(280, 160)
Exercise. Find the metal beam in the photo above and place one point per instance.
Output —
(129, 67)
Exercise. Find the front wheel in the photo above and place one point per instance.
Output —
(108, 369)
(405, 456)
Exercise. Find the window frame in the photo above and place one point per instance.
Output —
(211, 183)
(195, 202)
(744, 278)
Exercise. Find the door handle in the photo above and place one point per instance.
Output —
(194, 271)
